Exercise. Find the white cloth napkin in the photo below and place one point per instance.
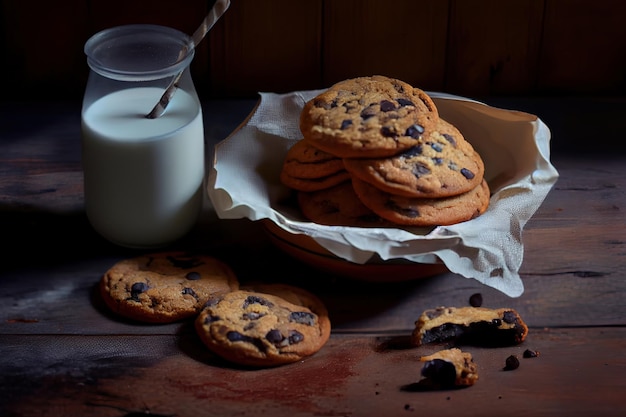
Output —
(244, 183)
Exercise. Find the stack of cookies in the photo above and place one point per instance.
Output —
(375, 152)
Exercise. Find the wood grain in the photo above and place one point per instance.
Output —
(493, 47)
(405, 39)
(271, 45)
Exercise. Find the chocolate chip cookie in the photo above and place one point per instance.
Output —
(165, 287)
(339, 206)
(470, 325)
(264, 325)
(314, 184)
(304, 160)
(410, 211)
(442, 165)
(364, 117)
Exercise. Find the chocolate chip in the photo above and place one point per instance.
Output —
(274, 336)
(511, 363)
(496, 322)
(193, 276)
(509, 317)
(302, 317)
(238, 337)
(467, 173)
(439, 372)
(386, 105)
(404, 211)
(450, 139)
(295, 337)
(210, 319)
(420, 169)
(189, 291)
(388, 132)
(405, 102)
(185, 263)
(368, 112)
(437, 161)
(136, 289)
(476, 300)
(530, 353)
(411, 152)
(437, 146)
(346, 124)
(253, 299)
(414, 131)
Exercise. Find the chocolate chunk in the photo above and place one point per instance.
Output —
(467, 173)
(405, 102)
(189, 291)
(440, 372)
(476, 300)
(136, 289)
(511, 363)
(388, 132)
(193, 276)
(210, 319)
(238, 337)
(253, 299)
(509, 317)
(530, 353)
(346, 124)
(302, 317)
(450, 139)
(437, 146)
(414, 151)
(274, 336)
(414, 131)
(368, 112)
(295, 337)
(420, 170)
(437, 161)
(407, 212)
(386, 105)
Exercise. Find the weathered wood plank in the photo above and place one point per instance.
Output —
(583, 47)
(351, 375)
(405, 39)
(493, 47)
(266, 46)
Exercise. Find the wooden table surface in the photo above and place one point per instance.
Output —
(63, 354)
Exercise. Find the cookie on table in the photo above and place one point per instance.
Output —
(442, 165)
(165, 287)
(265, 325)
(338, 206)
(470, 325)
(411, 211)
(304, 160)
(449, 368)
(372, 117)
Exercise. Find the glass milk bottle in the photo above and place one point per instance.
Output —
(143, 177)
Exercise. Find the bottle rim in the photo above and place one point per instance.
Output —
(139, 52)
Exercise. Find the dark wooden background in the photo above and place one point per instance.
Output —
(475, 48)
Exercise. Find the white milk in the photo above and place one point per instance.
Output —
(143, 177)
